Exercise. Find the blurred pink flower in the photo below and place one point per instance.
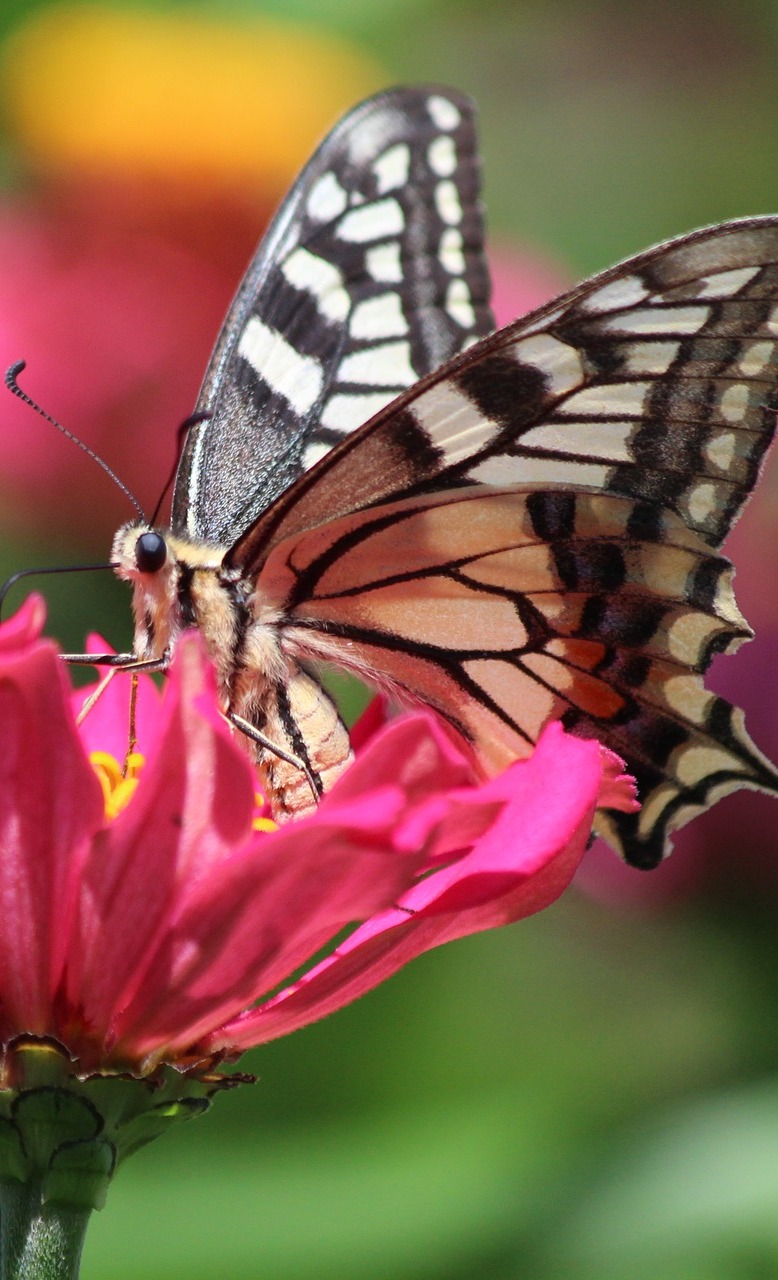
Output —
(522, 279)
(115, 313)
(144, 939)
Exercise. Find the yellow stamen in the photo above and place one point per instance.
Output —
(259, 822)
(118, 782)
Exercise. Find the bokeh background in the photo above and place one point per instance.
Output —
(593, 1093)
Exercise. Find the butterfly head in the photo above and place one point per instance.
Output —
(143, 556)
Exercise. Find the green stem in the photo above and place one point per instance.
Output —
(38, 1241)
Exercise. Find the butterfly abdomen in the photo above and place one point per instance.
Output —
(299, 717)
(265, 689)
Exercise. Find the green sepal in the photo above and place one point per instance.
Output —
(80, 1173)
(144, 1128)
(14, 1165)
(50, 1115)
(66, 1133)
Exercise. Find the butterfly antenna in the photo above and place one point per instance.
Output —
(183, 431)
(13, 386)
(60, 568)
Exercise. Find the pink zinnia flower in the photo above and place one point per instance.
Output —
(152, 926)
(148, 938)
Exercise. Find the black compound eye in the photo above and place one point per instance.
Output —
(150, 552)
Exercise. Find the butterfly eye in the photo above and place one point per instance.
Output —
(150, 552)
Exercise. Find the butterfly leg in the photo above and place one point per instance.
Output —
(95, 695)
(115, 662)
(118, 661)
(257, 736)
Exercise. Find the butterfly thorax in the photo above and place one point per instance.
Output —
(179, 584)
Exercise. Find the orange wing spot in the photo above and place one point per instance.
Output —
(579, 653)
(596, 698)
(587, 693)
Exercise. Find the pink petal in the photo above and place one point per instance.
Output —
(50, 805)
(134, 940)
(193, 805)
(412, 757)
(373, 718)
(265, 911)
(24, 626)
(618, 789)
(522, 864)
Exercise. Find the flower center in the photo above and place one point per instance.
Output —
(118, 781)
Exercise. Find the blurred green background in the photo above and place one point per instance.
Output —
(593, 1093)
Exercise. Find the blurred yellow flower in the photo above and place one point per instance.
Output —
(176, 96)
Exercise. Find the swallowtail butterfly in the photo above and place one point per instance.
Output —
(507, 528)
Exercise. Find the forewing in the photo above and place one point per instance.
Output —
(372, 274)
(656, 380)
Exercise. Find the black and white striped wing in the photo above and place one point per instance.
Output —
(372, 274)
(532, 532)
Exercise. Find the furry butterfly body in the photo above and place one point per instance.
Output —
(507, 527)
